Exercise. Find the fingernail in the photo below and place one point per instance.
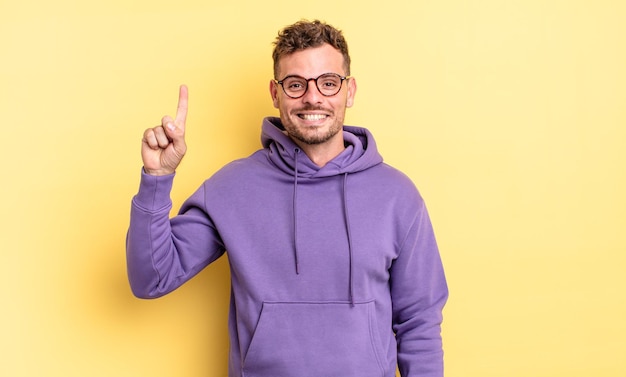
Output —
(171, 127)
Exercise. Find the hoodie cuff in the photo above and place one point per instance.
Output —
(154, 191)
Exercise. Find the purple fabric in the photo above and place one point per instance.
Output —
(335, 271)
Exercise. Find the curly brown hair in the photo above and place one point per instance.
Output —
(307, 34)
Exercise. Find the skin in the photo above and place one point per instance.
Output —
(320, 138)
(163, 147)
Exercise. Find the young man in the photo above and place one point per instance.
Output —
(334, 266)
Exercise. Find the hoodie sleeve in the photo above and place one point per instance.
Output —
(163, 253)
(419, 293)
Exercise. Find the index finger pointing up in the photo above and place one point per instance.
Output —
(181, 112)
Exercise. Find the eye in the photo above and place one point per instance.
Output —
(330, 82)
(295, 85)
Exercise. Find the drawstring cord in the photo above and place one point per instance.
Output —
(347, 219)
(295, 211)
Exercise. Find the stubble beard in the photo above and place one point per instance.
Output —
(309, 136)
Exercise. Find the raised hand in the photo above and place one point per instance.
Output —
(163, 147)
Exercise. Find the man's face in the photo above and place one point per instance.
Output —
(313, 119)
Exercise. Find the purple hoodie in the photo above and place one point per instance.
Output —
(335, 270)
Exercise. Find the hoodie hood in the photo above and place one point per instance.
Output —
(360, 153)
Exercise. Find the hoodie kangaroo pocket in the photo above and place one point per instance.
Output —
(315, 340)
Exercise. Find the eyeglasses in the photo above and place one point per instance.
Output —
(328, 84)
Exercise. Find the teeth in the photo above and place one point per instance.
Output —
(313, 116)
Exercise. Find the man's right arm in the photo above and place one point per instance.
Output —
(163, 253)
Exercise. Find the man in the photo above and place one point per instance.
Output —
(334, 266)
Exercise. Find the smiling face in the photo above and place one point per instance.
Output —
(313, 119)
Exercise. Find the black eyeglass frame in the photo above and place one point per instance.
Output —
(342, 79)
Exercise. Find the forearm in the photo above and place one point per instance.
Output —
(163, 253)
(420, 351)
(149, 231)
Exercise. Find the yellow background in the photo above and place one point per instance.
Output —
(509, 116)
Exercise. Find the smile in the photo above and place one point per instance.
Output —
(312, 117)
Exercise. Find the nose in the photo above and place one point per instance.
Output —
(312, 93)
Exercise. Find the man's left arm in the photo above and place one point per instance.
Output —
(419, 292)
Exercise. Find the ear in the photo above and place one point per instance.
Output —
(351, 92)
(274, 93)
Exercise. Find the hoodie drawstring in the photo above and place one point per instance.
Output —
(347, 220)
(295, 211)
